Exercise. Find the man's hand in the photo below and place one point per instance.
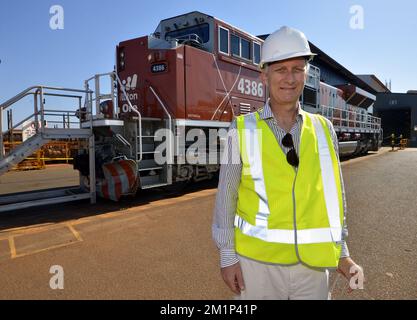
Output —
(345, 267)
(232, 275)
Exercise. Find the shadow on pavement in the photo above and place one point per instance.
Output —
(79, 209)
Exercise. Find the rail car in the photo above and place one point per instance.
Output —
(190, 78)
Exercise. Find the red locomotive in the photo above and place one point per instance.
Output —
(198, 72)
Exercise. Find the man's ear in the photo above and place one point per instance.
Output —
(306, 72)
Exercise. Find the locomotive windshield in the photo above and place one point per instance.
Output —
(200, 33)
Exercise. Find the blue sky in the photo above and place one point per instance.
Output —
(32, 53)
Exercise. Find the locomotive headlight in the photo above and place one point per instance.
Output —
(121, 58)
(106, 108)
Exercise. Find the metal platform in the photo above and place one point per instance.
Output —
(23, 200)
(103, 123)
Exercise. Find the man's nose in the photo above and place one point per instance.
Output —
(290, 77)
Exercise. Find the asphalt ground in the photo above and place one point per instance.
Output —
(54, 176)
(158, 245)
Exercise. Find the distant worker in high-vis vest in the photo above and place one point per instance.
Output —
(279, 219)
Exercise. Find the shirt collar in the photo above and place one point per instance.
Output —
(266, 112)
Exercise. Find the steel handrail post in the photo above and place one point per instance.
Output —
(42, 109)
(139, 117)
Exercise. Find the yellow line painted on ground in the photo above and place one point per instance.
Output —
(34, 229)
(45, 249)
(51, 226)
(12, 245)
(12, 248)
(29, 230)
(22, 229)
(75, 232)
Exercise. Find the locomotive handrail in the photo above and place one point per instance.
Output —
(122, 88)
(371, 122)
(125, 142)
(26, 92)
(160, 101)
(169, 117)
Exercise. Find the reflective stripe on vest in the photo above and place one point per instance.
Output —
(254, 156)
(329, 182)
(287, 236)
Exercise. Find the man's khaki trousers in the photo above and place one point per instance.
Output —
(273, 282)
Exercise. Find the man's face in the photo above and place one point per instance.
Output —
(285, 80)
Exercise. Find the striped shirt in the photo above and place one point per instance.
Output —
(230, 174)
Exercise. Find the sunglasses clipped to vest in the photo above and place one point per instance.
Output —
(292, 157)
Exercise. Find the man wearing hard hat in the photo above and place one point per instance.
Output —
(279, 219)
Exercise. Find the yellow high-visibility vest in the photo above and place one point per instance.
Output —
(286, 215)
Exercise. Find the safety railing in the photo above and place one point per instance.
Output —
(41, 116)
(189, 37)
(98, 96)
(125, 143)
(138, 135)
(313, 77)
(350, 119)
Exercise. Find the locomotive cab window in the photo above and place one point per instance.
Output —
(199, 33)
(256, 53)
(245, 48)
(235, 44)
(223, 40)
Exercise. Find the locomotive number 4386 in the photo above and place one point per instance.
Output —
(248, 87)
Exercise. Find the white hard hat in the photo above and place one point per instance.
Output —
(285, 43)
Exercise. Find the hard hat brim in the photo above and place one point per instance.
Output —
(287, 56)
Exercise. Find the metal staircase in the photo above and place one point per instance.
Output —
(151, 173)
(21, 152)
(62, 129)
(35, 142)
